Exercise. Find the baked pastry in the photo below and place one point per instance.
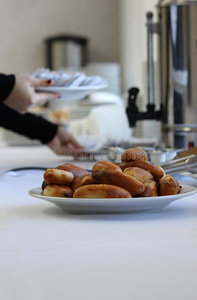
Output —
(55, 176)
(151, 189)
(168, 185)
(101, 191)
(134, 154)
(132, 177)
(81, 181)
(77, 171)
(120, 179)
(105, 165)
(62, 191)
(138, 173)
(157, 171)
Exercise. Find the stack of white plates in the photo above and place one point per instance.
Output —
(82, 108)
(110, 71)
(79, 111)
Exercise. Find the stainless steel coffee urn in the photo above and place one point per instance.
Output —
(66, 51)
(178, 72)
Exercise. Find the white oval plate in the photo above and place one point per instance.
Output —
(72, 93)
(111, 206)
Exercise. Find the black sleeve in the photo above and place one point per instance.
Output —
(6, 85)
(29, 125)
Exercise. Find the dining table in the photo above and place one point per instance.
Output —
(49, 254)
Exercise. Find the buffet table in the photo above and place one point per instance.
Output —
(46, 253)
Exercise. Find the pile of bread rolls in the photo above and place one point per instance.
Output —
(134, 176)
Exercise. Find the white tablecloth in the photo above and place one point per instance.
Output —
(46, 253)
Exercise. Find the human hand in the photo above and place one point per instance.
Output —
(23, 96)
(65, 144)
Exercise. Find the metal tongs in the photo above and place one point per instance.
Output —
(180, 165)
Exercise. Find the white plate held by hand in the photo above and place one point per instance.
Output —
(72, 93)
(111, 206)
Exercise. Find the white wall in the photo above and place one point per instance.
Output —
(116, 29)
(133, 40)
(24, 24)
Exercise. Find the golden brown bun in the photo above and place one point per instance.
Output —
(55, 176)
(133, 177)
(168, 185)
(120, 179)
(138, 173)
(101, 191)
(82, 180)
(77, 171)
(58, 191)
(88, 180)
(133, 154)
(105, 165)
(156, 171)
(151, 189)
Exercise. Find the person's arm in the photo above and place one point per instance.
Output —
(29, 125)
(64, 143)
(6, 85)
(34, 127)
(17, 94)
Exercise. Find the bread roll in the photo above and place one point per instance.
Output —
(81, 180)
(151, 189)
(101, 191)
(120, 179)
(168, 185)
(138, 173)
(55, 176)
(156, 171)
(58, 191)
(133, 154)
(105, 165)
(75, 170)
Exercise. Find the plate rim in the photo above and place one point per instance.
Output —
(85, 206)
(72, 89)
(171, 198)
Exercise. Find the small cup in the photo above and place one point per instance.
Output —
(170, 154)
(157, 157)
